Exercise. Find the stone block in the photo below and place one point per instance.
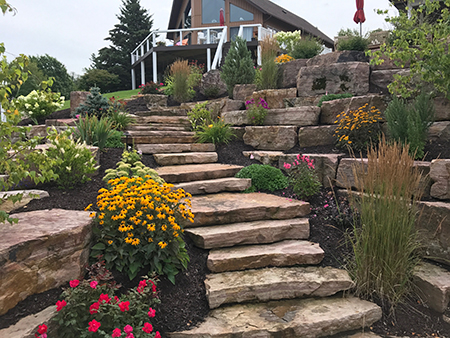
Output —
(337, 57)
(265, 157)
(439, 131)
(302, 101)
(380, 79)
(28, 195)
(211, 80)
(442, 109)
(273, 97)
(289, 71)
(231, 105)
(440, 177)
(316, 136)
(271, 137)
(76, 99)
(336, 78)
(155, 100)
(434, 285)
(241, 91)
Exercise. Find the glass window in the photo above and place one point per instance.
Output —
(239, 14)
(211, 11)
(247, 33)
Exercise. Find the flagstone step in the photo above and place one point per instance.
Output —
(197, 172)
(244, 233)
(175, 148)
(162, 112)
(286, 319)
(157, 127)
(162, 119)
(227, 208)
(161, 139)
(268, 284)
(230, 184)
(284, 253)
(186, 158)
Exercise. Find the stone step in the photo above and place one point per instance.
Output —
(162, 119)
(244, 233)
(284, 253)
(268, 284)
(230, 184)
(162, 133)
(286, 319)
(186, 158)
(157, 127)
(197, 172)
(160, 139)
(175, 148)
(161, 112)
(227, 208)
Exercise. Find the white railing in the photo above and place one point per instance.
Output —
(262, 34)
(218, 56)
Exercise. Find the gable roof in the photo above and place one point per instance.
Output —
(269, 8)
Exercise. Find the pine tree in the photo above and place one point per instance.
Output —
(238, 67)
(95, 104)
(134, 25)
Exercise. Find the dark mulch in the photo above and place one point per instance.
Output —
(184, 304)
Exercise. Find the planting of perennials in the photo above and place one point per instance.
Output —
(256, 111)
(302, 176)
(140, 225)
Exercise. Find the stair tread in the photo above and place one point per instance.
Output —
(186, 158)
(214, 186)
(196, 172)
(175, 148)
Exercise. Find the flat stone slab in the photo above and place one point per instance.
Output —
(163, 119)
(316, 136)
(28, 326)
(288, 318)
(186, 158)
(44, 250)
(257, 232)
(197, 172)
(143, 129)
(271, 137)
(268, 284)
(28, 195)
(265, 157)
(229, 184)
(175, 148)
(285, 253)
(434, 285)
(227, 208)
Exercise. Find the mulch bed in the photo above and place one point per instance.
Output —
(184, 304)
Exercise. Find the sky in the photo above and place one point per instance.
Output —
(71, 30)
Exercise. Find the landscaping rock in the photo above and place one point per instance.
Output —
(316, 136)
(440, 176)
(155, 100)
(434, 285)
(76, 99)
(186, 158)
(287, 318)
(175, 148)
(439, 131)
(271, 137)
(28, 195)
(227, 208)
(380, 79)
(289, 71)
(442, 109)
(238, 132)
(44, 250)
(265, 157)
(231, 105)
(302, 101)
(230, 184)
(337, 57)
(197, 172)
(273, 97)
(388, 64)
(210, 80)
(274, 284)
(241, 91)
(244, 233)
(28, 326)
(336, 78)
(285, 253)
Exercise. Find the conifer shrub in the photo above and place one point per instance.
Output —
(95, 104)
(264, 177)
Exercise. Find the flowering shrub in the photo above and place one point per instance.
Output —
(256, 112)
(140, 226)
(358, 128)
(91, 308)
(216, 132)
(39, 104)
(284, 58)
(288, 40)
(302, 177)
(151, 88)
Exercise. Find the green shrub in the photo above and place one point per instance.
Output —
(196, 73)
(115, 140)
(140, 225)
(264, 177)
(199, 116)
(216, 132)
(306, 48)
(120, 120)
(96, 104)
(212, 91)
(409, 124)
(94, 131)
(302, 177)
(331, 97)
(39, 104)
(238, 67)
(73, 161)
(256, 112)
(385, 244)
(269, 75)
(357, 43)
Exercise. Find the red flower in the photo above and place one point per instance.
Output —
(104, 298)
(153, 286)
(94, 308)
(60, 304)
(124, 306)
(151, 313)
(42, 329)
(147, 328)
(116, 299)
(157, 335)
(128, 329)
(74, 283)
(94, 326)
(116, 333)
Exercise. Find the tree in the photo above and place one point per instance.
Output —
(6, 7)
(100, 78)
(422, 39)
(134, 25)
(238, 67)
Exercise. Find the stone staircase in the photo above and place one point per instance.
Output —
(264, 279)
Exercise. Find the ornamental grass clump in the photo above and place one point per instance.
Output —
(179, 73)
(385, 245)
(218, 132)
(264, 177)
(140, 225)
(302, 177)
(359, 128)
(256, 111)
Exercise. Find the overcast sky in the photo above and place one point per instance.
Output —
(71, 30)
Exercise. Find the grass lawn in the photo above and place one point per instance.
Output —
(124, 94)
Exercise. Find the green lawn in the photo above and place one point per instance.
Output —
(124, 94)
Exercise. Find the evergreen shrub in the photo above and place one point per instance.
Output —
(264, 177)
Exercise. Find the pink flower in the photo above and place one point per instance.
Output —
(298, 156)
(151, 313)
(287, 166)
(128, 329)
(157, 335)
(147, 328)
(77, 116)
(116, 333)
(94, 308)
(60, 304)
(104, 298)
(74, 283)
(124, 306)
(94, 326)
(252, 157)
(161, 84)
(93, 284)
(326, 206)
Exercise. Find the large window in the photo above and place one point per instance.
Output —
(211, 10)
(247, 33)
(239, 14)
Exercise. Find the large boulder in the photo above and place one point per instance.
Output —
(271, 137)
(335, 78)
(338, 57)
(440, 176)
(44, 250)
(241, 91)
(274, 97)
(289, 71)
(380, 79)
(316, 136)
(212, 80)
(76, 99)
(442, 109)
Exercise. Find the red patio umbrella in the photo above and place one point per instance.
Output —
(222, 18)
(359, 15)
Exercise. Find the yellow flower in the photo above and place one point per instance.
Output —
(210, 126)
(92, 214)
(162, 245)
(164, 227)
(110, 242)
(88, 207)
(135, 242)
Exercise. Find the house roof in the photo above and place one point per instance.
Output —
(271, 9)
